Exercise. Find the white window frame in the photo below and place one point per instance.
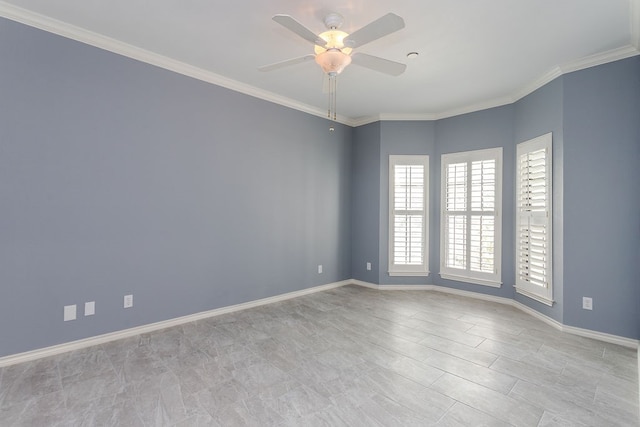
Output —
(539, 288)
(466, 274)
(403, 269)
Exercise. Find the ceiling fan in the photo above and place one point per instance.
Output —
(334, 48)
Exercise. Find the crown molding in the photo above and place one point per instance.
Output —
(361, 121)
(497, 102)
(536, 84)
(557, 71)
(600, 58)
(485, 105)
(408, 117)
(82, 35)
(577, 65)
(100, 41)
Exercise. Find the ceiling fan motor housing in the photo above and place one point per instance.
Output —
(333, 21)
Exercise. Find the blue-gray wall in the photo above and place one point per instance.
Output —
(118, 177)
(365, 208)
(602, 197)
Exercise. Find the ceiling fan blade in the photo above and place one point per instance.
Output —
(286, 63)
(378, 64)
(387, 24)
(291, 24)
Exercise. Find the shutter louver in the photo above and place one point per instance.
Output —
(481, 245)
(456, 255)
(456, 187)
(407, 243)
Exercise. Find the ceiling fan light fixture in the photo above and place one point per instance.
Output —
(334, 39)
(333, 61)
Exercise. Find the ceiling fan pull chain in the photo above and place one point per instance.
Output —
(329, 106)
(333, 86)
(335, 98)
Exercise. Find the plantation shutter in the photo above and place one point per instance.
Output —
(470, 233)
(456, 218)
(408, 214)
(533, 222)
(482, 232)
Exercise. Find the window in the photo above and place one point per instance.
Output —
(408, 220)
(471, 224)
(533, 219)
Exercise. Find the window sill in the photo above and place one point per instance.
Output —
(409, 273)
(539, 298)
(473, 280)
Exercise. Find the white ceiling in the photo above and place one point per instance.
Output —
(473, 54)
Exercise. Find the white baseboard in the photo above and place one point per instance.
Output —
(392, 287)
(101, 339)
(600, 336)
(405, 287)
(587, 333)
(364, 284)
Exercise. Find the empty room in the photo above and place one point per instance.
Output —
(320, 213)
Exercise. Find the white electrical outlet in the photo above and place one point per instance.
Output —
(89, 308)
(69, 312)
(368, 266)
(587, 303)
(320, 269)
(128, 301)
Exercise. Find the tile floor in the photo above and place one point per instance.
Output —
(346, 357)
